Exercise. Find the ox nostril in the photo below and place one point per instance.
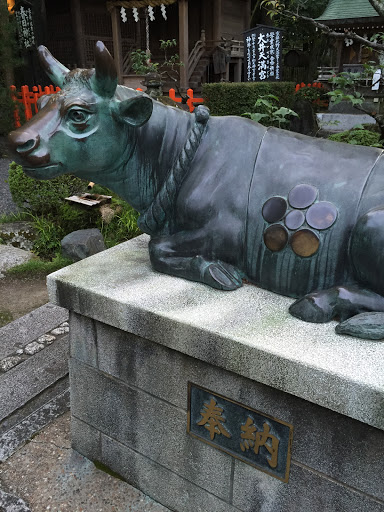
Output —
(28, 146)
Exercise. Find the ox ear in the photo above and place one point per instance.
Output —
(104, 81)
(135, 111)
(54, 69)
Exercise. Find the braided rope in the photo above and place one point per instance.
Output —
(128, 4)
(154, 219)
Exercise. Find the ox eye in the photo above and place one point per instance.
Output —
(78, 116)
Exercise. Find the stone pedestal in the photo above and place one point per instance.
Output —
(139, 337)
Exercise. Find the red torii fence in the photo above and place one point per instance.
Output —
(28, 99)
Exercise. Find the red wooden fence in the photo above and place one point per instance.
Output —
(29, 99)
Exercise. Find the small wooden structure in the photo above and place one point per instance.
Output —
(358, 16)
(200, 27)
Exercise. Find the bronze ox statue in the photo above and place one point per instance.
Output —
(223, 198)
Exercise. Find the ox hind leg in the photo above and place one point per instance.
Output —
(184, 255)
(361, 307)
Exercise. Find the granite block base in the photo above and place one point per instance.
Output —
(139, 338)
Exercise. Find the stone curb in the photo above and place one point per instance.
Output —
(34, 388)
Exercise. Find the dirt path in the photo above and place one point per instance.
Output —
(19, 296)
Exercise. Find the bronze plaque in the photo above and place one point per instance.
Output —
(249, 435)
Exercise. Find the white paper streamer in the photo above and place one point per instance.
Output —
(163, 11)
(151, 13)
(123, 15)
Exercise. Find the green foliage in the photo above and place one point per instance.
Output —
(309, 93)
(141, 63)
(6, 112)
(49, 234)
(225, 99)
(118, 222)
(53, 217)
(141, 60)
(359, 137)
(13, 217)
(269, 113)
(9, 60)
(41, 197)
(345, 90)
(36, 266)
(298, 33)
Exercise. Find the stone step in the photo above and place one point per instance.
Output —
(16, 335)
(34, 387)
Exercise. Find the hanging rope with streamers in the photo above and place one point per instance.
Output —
(129, 4)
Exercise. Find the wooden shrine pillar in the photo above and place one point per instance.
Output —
(78, 32)
(183, 44)
(117, 47)
(247, 15)
(217, 15)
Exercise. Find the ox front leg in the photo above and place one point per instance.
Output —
(185, 255)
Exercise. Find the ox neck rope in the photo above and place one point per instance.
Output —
(155, 220)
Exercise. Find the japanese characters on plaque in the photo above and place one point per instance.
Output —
(25, 27)
(263, 51)
(247, 434)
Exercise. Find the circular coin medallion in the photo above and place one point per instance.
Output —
(305, 243)
(321, 215)
(294, 219)
(275, 237)
(302, 196)
(274, 209)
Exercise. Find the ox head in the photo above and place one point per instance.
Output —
(81, 128)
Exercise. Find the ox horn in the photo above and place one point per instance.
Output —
(54, 69)
(104, 81)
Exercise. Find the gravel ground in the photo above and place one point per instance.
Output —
(48, 475)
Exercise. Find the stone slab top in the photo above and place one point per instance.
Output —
(248, 331)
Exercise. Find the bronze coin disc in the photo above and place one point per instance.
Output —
(302, 196)
(294, 219)
(305, 243)
(274, 209)
(321, 215)
(275, 237)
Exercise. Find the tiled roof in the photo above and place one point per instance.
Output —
(348, 9)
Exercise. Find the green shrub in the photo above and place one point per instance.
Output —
(53, 217)
(41, 197)
(358, 137)
(224, 99)
(118, 222)
(266, 112)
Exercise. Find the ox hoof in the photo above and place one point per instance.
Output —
(369, 326)
(310, 309)
(223, 276)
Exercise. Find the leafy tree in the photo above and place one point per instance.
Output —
(298, 33)
(296, 9)
(347, 87)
